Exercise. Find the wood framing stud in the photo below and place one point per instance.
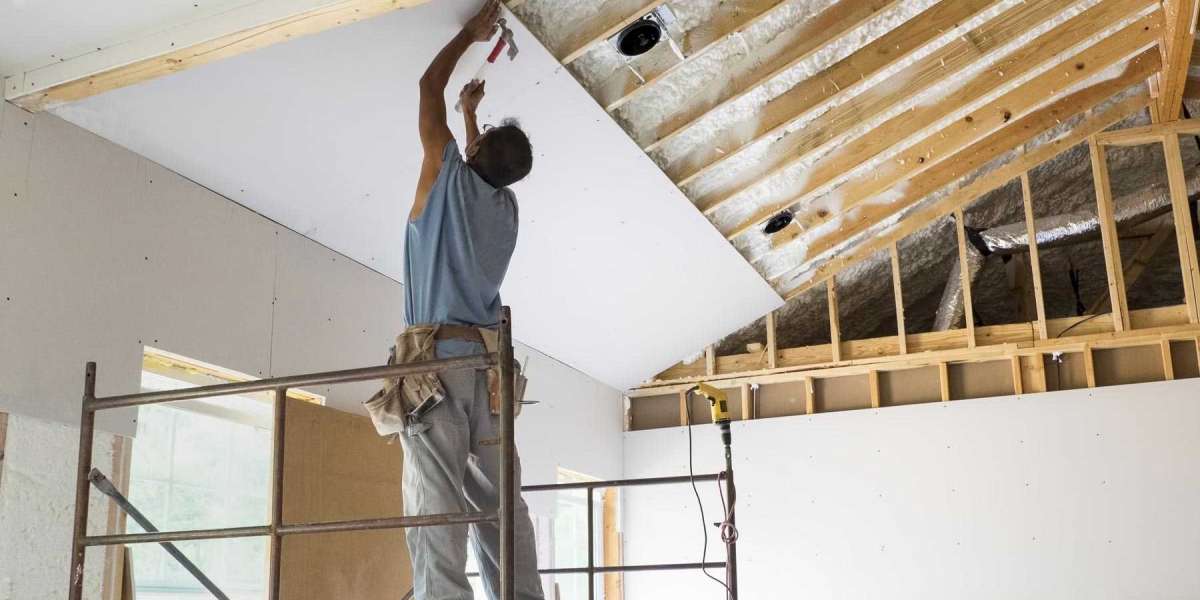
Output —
(810, 395)
(945, 156)
(1141, 260)
(710, 360)
(1182, 214)
(1035, 266)
(1037, 368)
(933, 348)
(772, 343)
(835, 328)
(1018, 386)
(683, 408)
(1114, 272)
(964, 274)
(944, 381)
(1089, 365)
(898, 295)
(1168, 364)
(1006, 139)
(873, 383)
(747, 402)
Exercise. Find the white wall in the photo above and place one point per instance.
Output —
(1077, 494)
(103, 251)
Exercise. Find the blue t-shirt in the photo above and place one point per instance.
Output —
(457, 252)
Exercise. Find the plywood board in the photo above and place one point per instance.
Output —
(1186, 359)
(842, 393)
(321, 137)
(338, 468)
(909, 386)
(654, 412)
(1138, 364)
(779, 399)
(980, 380)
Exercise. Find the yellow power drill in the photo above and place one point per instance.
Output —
(718, 403)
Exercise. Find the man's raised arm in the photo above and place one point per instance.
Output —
(435, 133)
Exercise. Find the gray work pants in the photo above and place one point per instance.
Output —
(452, 464)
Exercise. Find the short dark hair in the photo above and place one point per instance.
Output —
(504, 156)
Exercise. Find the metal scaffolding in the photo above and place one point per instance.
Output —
(277, 528)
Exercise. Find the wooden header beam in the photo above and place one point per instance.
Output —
(1150, 327)
(220, 36)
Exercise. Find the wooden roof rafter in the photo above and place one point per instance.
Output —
(968, 144)
(829, 170)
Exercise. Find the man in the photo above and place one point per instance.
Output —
(461, 234)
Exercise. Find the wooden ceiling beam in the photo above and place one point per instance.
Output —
(812, 35)
(922, 155)
(612, 18)
(823, 130)
(179, 48)
(969, 193)
(841, 78)
(1179, 37)
(970, 143)
(731, 19)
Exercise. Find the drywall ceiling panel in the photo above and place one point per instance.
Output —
(36, 33)
(615, 273)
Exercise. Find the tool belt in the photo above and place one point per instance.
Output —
(404, 400)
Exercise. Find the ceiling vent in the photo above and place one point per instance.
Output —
(778, 222)
(642, 35)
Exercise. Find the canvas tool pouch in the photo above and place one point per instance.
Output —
(403, 400)
(491, 342)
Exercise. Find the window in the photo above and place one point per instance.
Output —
(198, 465)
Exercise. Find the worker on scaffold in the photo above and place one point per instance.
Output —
(461, 234)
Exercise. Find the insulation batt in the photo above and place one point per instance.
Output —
(37, 509)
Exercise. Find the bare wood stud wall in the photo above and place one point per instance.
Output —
(1035, 265)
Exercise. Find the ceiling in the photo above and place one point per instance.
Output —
(863, 120)
(866, 123)
(615, 273)
(36, 33)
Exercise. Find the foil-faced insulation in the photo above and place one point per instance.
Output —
(1130, 210)
(951, 311)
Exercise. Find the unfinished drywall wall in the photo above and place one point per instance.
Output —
(1075, 494)
(103, 252)
(322, 137)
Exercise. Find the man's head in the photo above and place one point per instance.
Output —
(501, 155)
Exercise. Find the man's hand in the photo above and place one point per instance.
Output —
(471, 95)
(483, 26)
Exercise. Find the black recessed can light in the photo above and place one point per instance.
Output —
(778, 222)
(639, 37)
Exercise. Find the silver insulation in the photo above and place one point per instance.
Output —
(1131, 210)
(951, 313)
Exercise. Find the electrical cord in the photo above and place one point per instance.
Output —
(699, 503)
(729, 532)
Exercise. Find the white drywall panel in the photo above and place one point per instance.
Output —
(325, 300)
(35, 34)
(1076, 494)
(102, 251)
(37, 508)
(319, 134)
